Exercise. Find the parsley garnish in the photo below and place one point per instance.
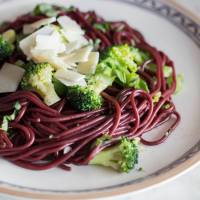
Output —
(104, 27)
(8, 118)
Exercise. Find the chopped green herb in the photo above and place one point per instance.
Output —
(4, 125)
(166, 106)
(17, 106)
(96, 44)
(70, 9)
(103, 139)
(104, 27)
(167, 70)
(169, 81)
(45, 9)
(179, 83)
(20, 63)
(8, 118)
(156, 97)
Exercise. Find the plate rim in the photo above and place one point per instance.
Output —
(144, 185)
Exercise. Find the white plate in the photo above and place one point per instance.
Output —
(171, 31)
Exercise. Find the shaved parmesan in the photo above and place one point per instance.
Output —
(69, 75)
(80, 55)
(49, 56)
(72, 46)
(70, 78)
(10, 77)
(70, 25)
(50, 42)
(72, 36)
(30, 28)
(29, 42)
(66, 82)
(89, 67)
(72, 30)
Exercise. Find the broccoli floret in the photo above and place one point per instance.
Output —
(60, 88)
(122, 157)
(83, 98)
(89, 97)
(124, 61)
(119, 64)
(6, 49)
(39, 78)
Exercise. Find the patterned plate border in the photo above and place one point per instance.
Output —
(192, 29)
(183, 22)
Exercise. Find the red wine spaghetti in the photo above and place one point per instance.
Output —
(44, 137)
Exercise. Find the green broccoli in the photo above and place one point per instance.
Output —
(60, 88)
(89, 97)
(124, 61)
(6, 49)
(122, 157)
(118, 64)
(39, 78)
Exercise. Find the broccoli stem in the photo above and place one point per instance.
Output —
(122, 157)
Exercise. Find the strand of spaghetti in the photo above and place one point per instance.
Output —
(20, 21)
(56, 162)
(105, 126)
(27, 95)
(70, 117)
(79, 129)
(166, 135)
(135, 112)
(41, 133)
(158, 119)
(172, 89)
(164, 59)
(4, 140)
(39, 110)
(158, 60)
(61, 105)
(27, 133)
(154, 113)
(148, 79)
(117, 112)
(21, 114)
(43, 154)
(90, 27)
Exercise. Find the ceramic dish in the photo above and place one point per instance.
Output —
(167, 27)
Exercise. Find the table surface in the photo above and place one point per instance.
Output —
(186, 186)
